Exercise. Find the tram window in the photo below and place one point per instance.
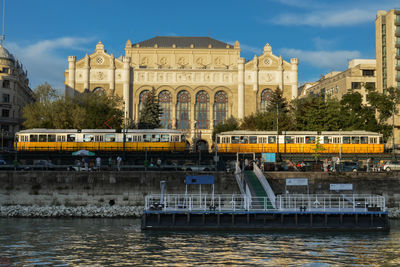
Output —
(289, 139)
(70, 138)
(244, 140)
(253, 139)
(88, 138)
(346, 140)
(183, 138)
(364, 140)
(355, 140)
(310, 139)
(380, 140)
(271, 139)
(110, 137)
(164, 138)
(139, 138)
(262, 140)
(155, 138)
(42, 137)
(299, 140)
(235, 139)
(33, 137)
(60, 138)
(128, 138)
(147, 137)
(174, 138)
(225, 140)
(52, 137)
(327, 140)
(373, 140)
(99, 138)
(336, 140)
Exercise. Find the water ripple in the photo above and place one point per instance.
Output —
(119, 242)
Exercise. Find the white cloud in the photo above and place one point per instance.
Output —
(333, 60)
(331, 14)
(327, 18)
(44, 60)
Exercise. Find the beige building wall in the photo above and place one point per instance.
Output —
(387, 30)
(335, 84)
(15, 94)
(193, 64)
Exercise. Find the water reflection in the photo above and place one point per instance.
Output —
(119, 242)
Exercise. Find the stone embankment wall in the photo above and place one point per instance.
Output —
(49, 193)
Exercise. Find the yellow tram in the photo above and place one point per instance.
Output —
(333, 142)
(100, 140)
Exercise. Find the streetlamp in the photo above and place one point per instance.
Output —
(393, 152)
(277, 136)
(340, 149)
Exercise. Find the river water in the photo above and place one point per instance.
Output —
(120, 242)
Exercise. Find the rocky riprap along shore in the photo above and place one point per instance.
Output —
(94, 211)
(63, 211)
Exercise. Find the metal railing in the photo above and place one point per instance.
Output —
(265, 184)
(288, 203)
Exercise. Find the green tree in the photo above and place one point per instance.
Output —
(150, 113)
(39, 114)
(230, 124)
(81, 111)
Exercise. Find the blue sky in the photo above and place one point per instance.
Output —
(324, 35)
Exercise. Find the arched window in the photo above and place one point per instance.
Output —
(142, 97)
(202, 110)
(266, 96)
(183, 110)
(220, 107)
(165, 101)
(99, 90)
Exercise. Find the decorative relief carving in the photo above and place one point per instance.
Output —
(182, 61)
(266, 78)
(163, 61)
(99, 60)
(100, 75)
(144, 61)
(267, 61)
(218, 61)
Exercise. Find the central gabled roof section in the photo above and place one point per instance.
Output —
(183, 42)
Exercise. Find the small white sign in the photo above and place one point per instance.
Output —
(297, 181)
(338, 187)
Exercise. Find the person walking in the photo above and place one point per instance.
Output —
(119, 160)
(98, 163)
(109, 163)
(86, 164)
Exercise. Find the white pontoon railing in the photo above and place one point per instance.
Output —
(317, 203)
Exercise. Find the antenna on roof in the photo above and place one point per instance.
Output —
(2, 37)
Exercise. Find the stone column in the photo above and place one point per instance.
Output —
(112, 75)
(125, 81)
(255, 85)
(280, 73)
(173, 117)
(86, 73)
(294, 62)
(71, 72)
(241, 88)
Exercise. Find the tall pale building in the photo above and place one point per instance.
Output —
(359, 74)
(387, 27)
(199, 81)
(15, 94)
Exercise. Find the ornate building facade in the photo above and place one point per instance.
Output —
(199, 81)
(15, 94)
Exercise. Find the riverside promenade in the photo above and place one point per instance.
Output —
(122, 194)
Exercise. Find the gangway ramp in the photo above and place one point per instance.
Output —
(258, 192)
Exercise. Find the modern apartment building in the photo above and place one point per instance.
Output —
(360, 73)
(387, 28)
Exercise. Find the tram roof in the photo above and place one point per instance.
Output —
(60, 131)
(244, 132)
